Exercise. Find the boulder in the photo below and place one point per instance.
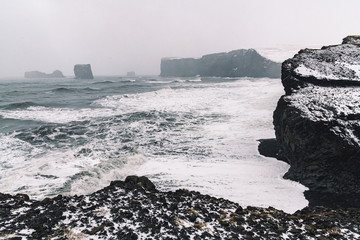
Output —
(317, 121)
(238, 63)
(37, 74)
(83, 71)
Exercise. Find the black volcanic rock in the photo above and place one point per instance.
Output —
(83, 71)
(134, 209)
(317, 122)
(238, 63)
(37, 74)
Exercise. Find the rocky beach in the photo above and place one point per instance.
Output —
(134, 209)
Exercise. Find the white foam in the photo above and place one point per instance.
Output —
(40, 172)
(235, 170)
(56, 115)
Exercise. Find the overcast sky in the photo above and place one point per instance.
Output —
(116, 36)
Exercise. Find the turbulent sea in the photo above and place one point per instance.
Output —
(68, 136)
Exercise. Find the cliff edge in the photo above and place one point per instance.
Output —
(317, 121)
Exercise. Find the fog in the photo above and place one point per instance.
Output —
(116, 36)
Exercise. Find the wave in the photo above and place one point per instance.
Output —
(62, 90)
(104, 82)
(20, 105)
(101, 174)
(56, 115)
(90, 89)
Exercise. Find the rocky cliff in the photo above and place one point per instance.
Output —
(238, 63)
(37, 74)
(83, 71)
(180, 67)
(317, 121)
(135, 209)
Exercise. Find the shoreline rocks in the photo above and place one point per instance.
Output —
(135, 209)
(83, 71)
(317, 121)
(237, 63)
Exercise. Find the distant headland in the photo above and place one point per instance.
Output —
(37, 74)
(237, 63)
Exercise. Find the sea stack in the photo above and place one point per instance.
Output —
(37, 74)
(131, 74)
(237, 63)
(317, 121)
(83, 71)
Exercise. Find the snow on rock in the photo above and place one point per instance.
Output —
(133, 209)
(333, 62)
(337, 65)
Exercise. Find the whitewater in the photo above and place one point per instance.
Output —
(67, 136)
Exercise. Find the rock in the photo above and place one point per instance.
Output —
(180, 67)
(110, 213)
(270, 148)
(143, 182)
(130, 74)
(37, 74)
(355, 39)
(83, 71)
(238, 63)
(317, 121)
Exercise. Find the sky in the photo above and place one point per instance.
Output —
(117, 36)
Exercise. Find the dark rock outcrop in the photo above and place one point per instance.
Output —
(83, 71)
(238, 63)
(317, 122)
(180, 67)
(37, 74)
(134, 209)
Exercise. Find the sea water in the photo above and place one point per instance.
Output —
(69, 136)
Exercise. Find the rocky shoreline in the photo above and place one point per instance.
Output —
(135, 209)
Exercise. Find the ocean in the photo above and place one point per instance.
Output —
(69, 136)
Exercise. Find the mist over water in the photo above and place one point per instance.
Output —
(66, 136)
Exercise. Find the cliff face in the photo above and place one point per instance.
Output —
(180, 67)
(83, 71)
(37, 74)
(238, 63)
(317, 122)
